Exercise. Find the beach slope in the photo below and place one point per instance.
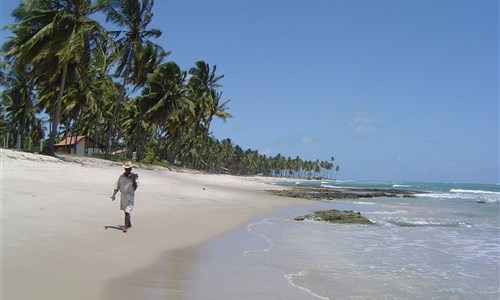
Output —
(54, 212)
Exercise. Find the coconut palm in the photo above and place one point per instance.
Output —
(202, 90)
(19, 98)
(219, 110)
(134, 17)
(88, 92)
(203, 86)
(165, 106)
(151, 58)
(56, 38)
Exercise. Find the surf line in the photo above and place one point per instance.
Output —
(250, 230)
(289, 278)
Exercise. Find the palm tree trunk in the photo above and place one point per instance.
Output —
(135, 135)
(66, 134)
(115, 112)
(75, 131)
(23, 122)
(49, 148)
(110, 125)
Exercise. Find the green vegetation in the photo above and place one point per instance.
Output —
(336, 216)
(116, 87)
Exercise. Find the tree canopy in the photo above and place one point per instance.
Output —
(63, 73)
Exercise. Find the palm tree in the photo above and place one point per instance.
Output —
(163, 103)
(20, 100)
(151, 58)
(99, 102)
(18, 105)
(88, 92)
(202, 91)
(217, 109)
(134, 16)
(327, 166)
(55, 37)
(316, 168)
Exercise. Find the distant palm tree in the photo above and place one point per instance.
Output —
(202, 91)
(327, 166)
(165, 106)
(203, 86)
(332, 159)
(219, 110)
(134, 16)
(151, 58)
(337, 168)
(20, 99)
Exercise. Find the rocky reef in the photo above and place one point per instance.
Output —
(323, 193)
(336, 216)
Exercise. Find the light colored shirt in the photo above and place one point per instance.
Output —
(126, 188)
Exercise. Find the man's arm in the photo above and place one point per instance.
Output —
(117, 187)
(114, 194)
(134, 183)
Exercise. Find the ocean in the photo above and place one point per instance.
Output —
(442, 244)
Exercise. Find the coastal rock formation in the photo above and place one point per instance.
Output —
(336, 216)
(322, 193)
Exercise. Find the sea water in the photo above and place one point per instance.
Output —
(442, 244)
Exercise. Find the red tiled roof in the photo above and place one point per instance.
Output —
(71, 140)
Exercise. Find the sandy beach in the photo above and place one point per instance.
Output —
(54, 244)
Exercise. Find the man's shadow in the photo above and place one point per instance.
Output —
(118, 227)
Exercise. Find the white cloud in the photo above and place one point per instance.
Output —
(306, 140)
(363, 123)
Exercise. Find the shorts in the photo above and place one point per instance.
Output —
(128, 208)
(127, 204)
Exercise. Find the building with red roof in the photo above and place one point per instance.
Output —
(80, 145)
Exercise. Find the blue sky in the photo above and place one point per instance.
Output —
(397, 90)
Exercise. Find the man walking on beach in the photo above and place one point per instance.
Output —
(127, 184)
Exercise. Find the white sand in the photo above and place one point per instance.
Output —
(53, 213)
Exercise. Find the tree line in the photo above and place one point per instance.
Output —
(64, 73)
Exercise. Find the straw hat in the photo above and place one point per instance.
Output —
(128, 165)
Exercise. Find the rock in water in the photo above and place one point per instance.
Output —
(336, 216)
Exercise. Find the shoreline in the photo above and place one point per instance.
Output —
(215, 269)
(54, 211)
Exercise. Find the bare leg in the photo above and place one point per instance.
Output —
(126, 222)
